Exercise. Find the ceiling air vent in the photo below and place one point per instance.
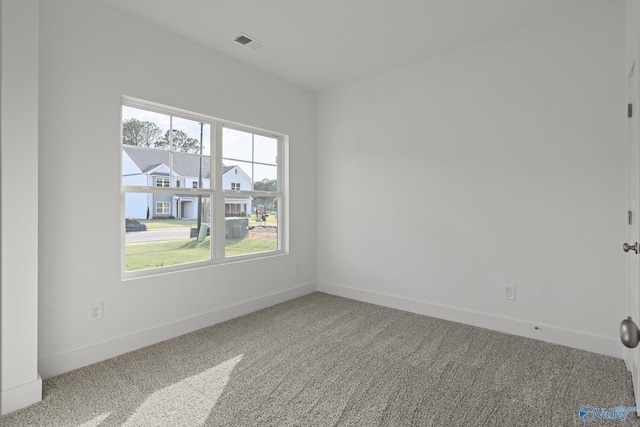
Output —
(250, 42)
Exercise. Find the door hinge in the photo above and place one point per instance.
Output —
(629, 110)
(630, 217)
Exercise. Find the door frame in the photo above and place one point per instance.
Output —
(632, 356)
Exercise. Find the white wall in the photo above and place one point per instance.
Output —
(632, 26)
(515, 150)
(20, 384)
(90, 55)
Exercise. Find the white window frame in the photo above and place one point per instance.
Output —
(215, 192)
(235, 186)
(163, 204)
(164, 180)
(281, 193)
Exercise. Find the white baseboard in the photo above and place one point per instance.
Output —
(21, 396)
(56, 365)
(579, 340)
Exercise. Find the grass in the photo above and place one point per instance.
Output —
(161, 254)
(235, 247)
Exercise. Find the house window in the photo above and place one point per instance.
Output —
(163, 208)
(162, 181)
(160, 143)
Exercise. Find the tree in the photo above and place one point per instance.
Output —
(141, 134)
(266, 185)
(182, 142)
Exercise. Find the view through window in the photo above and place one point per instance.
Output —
(183, 204)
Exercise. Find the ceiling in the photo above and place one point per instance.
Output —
(320, 44)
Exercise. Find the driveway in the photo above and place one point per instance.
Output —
(157, 235)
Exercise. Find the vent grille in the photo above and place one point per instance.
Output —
(243, 40)
(248, 41)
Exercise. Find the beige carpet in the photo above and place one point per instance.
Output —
(322, 360)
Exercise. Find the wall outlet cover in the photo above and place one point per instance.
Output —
(95, 311)
(510, 293)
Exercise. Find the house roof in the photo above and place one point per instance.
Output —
(151, 167)
(183, 164)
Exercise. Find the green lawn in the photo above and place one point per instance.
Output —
(235, 247)
(160, 254)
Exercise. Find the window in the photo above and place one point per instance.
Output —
(163, 208)
(251, 160)
(162, 182)
(234, 208)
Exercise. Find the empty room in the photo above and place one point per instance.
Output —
(319, 213)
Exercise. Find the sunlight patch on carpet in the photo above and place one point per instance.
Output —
(188, 401)
(96, 421)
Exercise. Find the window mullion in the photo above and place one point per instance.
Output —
(170, 149)
(219, 218)
(283, 210)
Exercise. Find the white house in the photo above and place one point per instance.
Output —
(150, 167)
(234, 178)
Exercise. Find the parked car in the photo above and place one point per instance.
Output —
(133, 225)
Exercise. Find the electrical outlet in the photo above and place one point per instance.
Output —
(510, 293)
(299, 269)
(95, 311)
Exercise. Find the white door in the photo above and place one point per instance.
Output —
(632, 355)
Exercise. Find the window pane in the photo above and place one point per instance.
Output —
(186, 136)
(161, 230)
(144, 166)
(237, 144)
(254, 234)
(187, 167)
(265, 150)
(144, 128)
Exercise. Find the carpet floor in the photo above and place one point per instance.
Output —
(322, 360)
